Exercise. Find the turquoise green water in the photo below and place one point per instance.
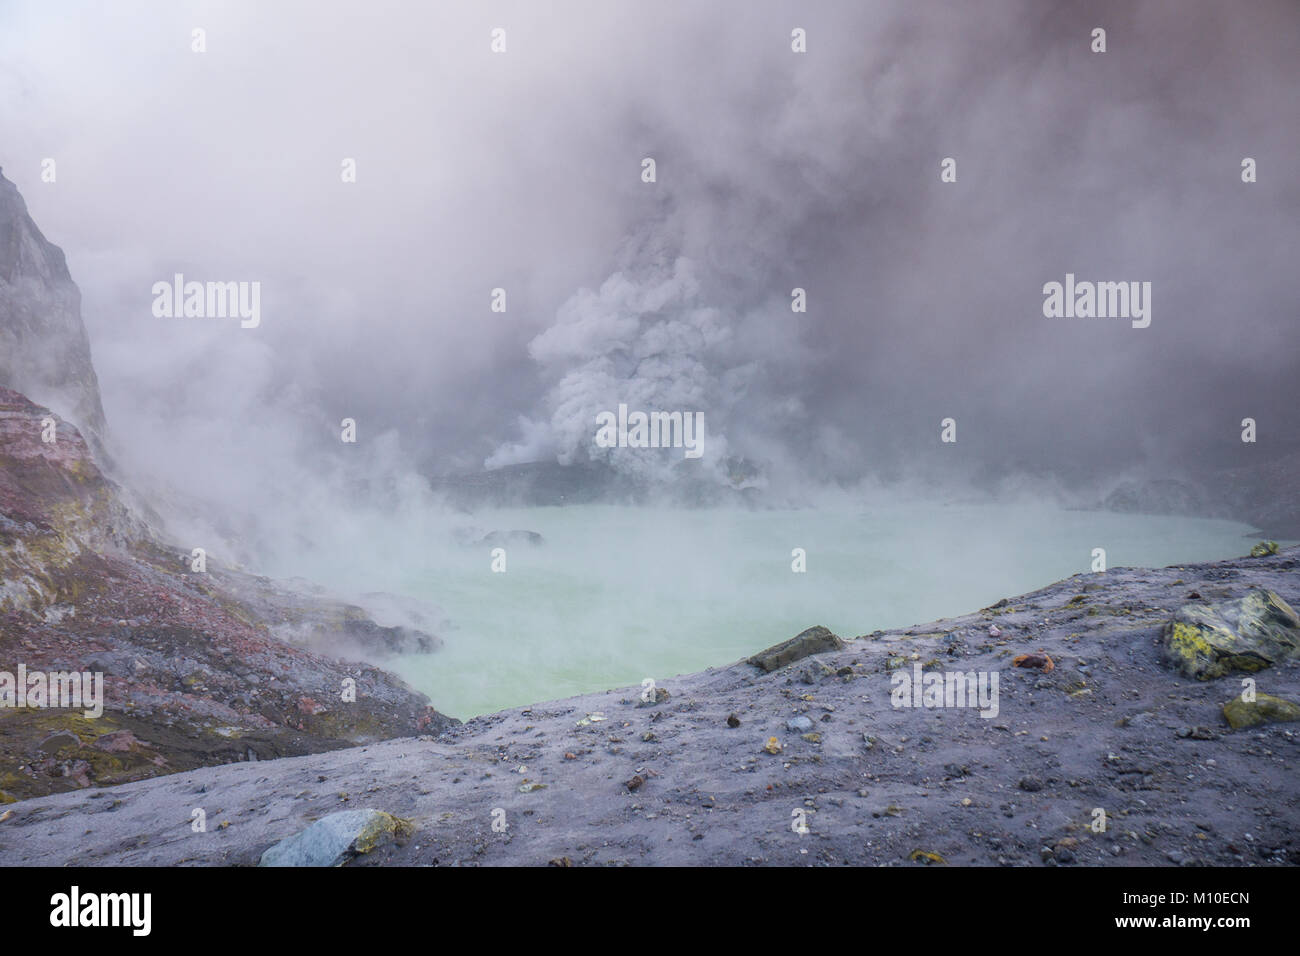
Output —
(617, 594)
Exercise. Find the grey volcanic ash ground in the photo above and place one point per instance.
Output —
(1111, 728)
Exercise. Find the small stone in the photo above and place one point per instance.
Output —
(799, 725)
(1031, 784)
(65, 738)
(652, 698)
(733, 721)
(814, 672)
(926, 857)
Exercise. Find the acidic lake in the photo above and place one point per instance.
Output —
(615, 594)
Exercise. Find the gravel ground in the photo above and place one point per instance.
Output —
(1111, 728)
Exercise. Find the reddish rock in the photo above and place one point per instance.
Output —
(119, 741)
(191, 662)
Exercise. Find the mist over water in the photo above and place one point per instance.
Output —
(776, 171)
(616, 593)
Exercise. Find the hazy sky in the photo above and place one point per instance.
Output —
(522, 170)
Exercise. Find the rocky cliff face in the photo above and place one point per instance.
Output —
(1265, 495)
(199, 666)
(44, 350)
(194, 672)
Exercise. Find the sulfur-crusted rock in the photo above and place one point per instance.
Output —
(1247, 634)
(1264, 709)
(338, 838)
(815, 640)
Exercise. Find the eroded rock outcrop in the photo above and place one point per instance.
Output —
(44, 349)
(193, 670)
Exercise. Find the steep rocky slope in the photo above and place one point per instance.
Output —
(195, 672)
(44, 349)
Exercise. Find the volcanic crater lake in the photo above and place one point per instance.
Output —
(615, 594)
